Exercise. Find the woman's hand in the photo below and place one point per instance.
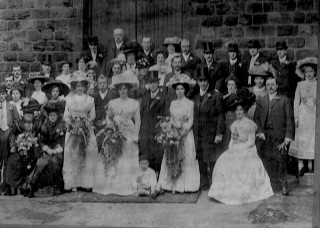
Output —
(296, 122)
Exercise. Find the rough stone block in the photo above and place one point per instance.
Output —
(237, 32)
(305, 30)
(300, 54)
(47, 35)
(3, 4)
(279, 18)
(16, 46)
(311, 42)
(63, 24)
(60, 13)
(14, 25)
(40, 13)
(268, 7)
(27, 57)
(67, 46)
(225, 32)
(35, 67)
(254, 7)
(238, 7)
(3, 25)
(27, 46)
(204, 9)
(22, 14)
(7, 36)
(28, 4)
(296, 42)
(42, 56)
(312, 17)
(5, 67)
(245, 19)
(15, 4)
(315, 29)
(34, 36)
(268, 30)
(212, 21)
(24, 67)
(259, 19)
(4, 47)
(252, 31)
(217, 43)
(231, 20)
(299, 18)
(28, 24)
(285, 5)
(53, 46)
(20, 35)
(54, 3)
(223, 8)
(40, 46)
(221, 55)
(6, 15)
(306, 5)
(288, 30)
(206, 32)
(9, 56)
(59, 57)
(271, 42)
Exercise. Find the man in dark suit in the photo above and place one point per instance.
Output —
(19, 82)
(255, 59)
(152, 106)
(275, 120)
(8, 115)
(147, 52)
(286, 77)
(234, 67)
(189, 60)
(8, 79)
(216, 74)
(95, 54)
(102, 95)
(208, 126)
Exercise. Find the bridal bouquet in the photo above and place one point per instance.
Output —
(170, 136)
(112, 141)
(25, 142)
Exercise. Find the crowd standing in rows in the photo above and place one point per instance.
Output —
(132, 120)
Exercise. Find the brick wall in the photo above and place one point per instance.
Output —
(223, 21)
(31, 29)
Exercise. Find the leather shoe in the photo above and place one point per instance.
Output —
(303, 171)
(285, 191)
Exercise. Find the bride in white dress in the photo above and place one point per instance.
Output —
(118, 179)
(189, 179)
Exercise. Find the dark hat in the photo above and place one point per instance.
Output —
(30, 105)
(48, 86)
(37, 76)
(254, 44)
(243, 97)
(208, 47)
(143, 157)
(153, 76)
(133, 47)
(281, 45)
(202, 73)
(233, 47)
(46, 60)
(3, 88)
(93, 40)
(56, 107)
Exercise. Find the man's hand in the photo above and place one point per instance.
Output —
(261, 136)
(218, 139)
(296, 122)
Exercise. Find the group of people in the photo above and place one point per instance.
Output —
(131, 120)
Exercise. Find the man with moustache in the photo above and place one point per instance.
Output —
(147, 52)
(189, 60)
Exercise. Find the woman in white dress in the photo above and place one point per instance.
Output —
(118, 178)
(239, 176)
(81, 150)
(36, 81)
(182, 110)
(305, 115)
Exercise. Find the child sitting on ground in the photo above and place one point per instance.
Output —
(146, 181)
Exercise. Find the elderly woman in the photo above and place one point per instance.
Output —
(305, 115)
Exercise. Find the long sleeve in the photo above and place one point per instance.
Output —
(137, 120)
(257, 115)
(221, 117)
(188, 124)
(297, 101)
(92, 111)
(66, 115)
(290, 127)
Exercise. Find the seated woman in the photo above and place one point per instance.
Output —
(36, 81)
(46, 178)
(25, 150)
(16, 93)
(187, 177)
(239, 176)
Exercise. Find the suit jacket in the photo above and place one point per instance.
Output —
(22, 85)
(149, 57)
(281, 117)
(100, 59)
(12, 114)
(287, 78)
(208, 121)
(237, 71)
(190, 65)
(150, 110)
(260, 60)
(111, 53)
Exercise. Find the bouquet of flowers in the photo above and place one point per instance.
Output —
(170, 136)
(25, 142)
(112, 141)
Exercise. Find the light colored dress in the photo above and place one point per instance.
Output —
(118, 179)
(189, 180)
(40, 97)
(77, 173)
(305, 110)
(239, 176)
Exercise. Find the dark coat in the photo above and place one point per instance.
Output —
(190, 65)
(149, 57)
(100, 59)
(21, 85)
(149, 113)
(260, 60)
(286, 78)
(111, 53)
(238, 71)
(280, 116)
(208, 121)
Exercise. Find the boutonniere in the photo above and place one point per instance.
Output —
(191, 58)
(240, 64)
(286, 62)
(22, 82)
(209, 94)
(256, 63)
(276, 98)
(100, 55)
(59, 131)
(158, 98)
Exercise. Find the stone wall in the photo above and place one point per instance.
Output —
(223, 21)
(32, 29)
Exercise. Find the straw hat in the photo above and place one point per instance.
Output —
(126, 77)
(37, 76)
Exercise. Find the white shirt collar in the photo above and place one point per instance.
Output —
(203, 92)
(103, 95)
(254, 58)
(119, 45)
(154, 94)
(146, 52)
(186, 57)
(16, 80)
(272, 96)
(209, 64)
(283, 59)
(233, 61)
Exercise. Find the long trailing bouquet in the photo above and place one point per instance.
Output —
(25, 142)
(112, 141)
(170, 136)
(79, 128)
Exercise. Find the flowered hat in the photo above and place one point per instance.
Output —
(37, 76)
(48, 86)
(263, 70)
(172, 40)
(143, 63)
(77, 79)
(30, 106)
(244, 97)
(182, 79)
(309, 61)
(126, 77)
(56, 107)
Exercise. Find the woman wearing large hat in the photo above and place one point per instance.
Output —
(305, 115)
(124, 112)
(172, 45)
(161, 65)
(180, 171)
(81, 148)
(36, 81)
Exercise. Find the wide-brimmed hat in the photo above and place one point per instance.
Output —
(243, 97)
(133, 47)
(233, 47)
(30, 106)
(37, 76)
(3, 88)
(126, 77)
(56, 107)
(208, 47)
(309, 61)
(281, 45)
(63, 88)
(93, 40)
(181, 79)
(263, 70)
(81, 79)
(172, 40)
(254, 44)
(153, 76)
